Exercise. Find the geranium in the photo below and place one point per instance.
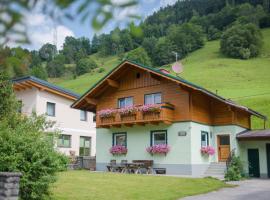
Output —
(158, 149)
(127, 110)
(208, 150)
(106, 113)
(118, 150)
(150, 108)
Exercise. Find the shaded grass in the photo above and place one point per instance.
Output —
(244, 81)
(84, 185)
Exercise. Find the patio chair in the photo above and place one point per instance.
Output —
(112, 167)
(123, 166)
(148, 166)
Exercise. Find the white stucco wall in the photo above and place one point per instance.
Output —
(67, 120)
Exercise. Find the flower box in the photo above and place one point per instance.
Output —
(118, 150)
(130, 110)
(154, 108)
(208, 150)
(158, 149)
(106, 113)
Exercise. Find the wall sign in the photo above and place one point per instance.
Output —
(182, 133)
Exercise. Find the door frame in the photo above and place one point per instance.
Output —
(218, 144)
(267, 149)
(259, 167)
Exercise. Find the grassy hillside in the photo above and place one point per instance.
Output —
(244, 81)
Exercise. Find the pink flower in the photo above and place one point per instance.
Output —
(208, 150)
(118, 150)
(150, 108)
(127, 110)
(106, 113)
(158, 149)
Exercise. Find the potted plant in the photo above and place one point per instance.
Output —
(158, 149)
(118, 150)
(208, 150)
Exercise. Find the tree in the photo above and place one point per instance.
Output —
(139, 55)
(95, 44)
(149, 44)
(241, 41)
(85, 65)
(26, 148)
(47, 52)
(36, 60)
(163, 52)
(56, 67)
(39, 72)
(213, 33)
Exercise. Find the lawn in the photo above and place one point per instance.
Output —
(85, 185)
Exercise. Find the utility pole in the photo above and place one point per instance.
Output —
(176, 55)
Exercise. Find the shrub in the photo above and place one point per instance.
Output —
(39, 72)
(139, 55)
(213, 33)
(235, 169)
(85, 65)
(241, 41)
(100, 70)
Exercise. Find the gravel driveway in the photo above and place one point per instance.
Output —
(254, 189)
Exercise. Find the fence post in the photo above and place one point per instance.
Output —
(9, 185)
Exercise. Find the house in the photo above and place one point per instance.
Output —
(76, 127)
(139, 107)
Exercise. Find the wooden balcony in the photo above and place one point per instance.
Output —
(165, 115)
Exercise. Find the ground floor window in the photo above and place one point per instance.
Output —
(120, 139)
(204, 139)
(64, 141)
(85, 146)
(158, 137)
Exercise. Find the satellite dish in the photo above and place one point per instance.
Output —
(177, 67)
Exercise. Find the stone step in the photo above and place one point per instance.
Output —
(216, 170)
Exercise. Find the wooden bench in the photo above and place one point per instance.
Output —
(147, 164)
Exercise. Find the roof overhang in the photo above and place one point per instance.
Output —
(254, 135)
(30, 82)
(159, 73)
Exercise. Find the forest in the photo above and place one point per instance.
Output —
(183, 28)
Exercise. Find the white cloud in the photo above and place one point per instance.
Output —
(41, 29)
(164, 3)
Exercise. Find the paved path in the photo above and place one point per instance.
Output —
(255, 189)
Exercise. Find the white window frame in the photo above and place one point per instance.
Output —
(125, 102)
(153, 133)
(84, 115)
(62, 144)
(206, 139)
(152, 95)
(54, 109)
(119, 134)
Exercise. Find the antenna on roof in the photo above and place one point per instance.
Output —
(177, 67)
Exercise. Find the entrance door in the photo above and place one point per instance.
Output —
(254, 165)
(223, 147)
(268, 158)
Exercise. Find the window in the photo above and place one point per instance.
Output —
(152, 98)
(50, 109)
(20, 104)
(158, 137)
(94, 118)
(83, 115)
(85, 146)
(204, 139)
(120, 139)
(64, 141)
(125, 102)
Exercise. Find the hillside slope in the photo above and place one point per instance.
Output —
(244, 81)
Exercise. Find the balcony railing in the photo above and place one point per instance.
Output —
(140, 116)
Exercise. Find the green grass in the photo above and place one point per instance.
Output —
(84, 185)
(244, 81)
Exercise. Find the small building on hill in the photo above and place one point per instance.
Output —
(76, 128)
(146, 114)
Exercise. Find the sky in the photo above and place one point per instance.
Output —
(41, 29)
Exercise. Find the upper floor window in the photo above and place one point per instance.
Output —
(125, 102)
(64, 141)
(83, 115)
(94, 117)
(50, 109)
(158, 137)
(204, 139)
(154, 98)
(120, 139)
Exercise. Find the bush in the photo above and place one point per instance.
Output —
(100, 70)
(39, 72)
(213, 33)
(235, 169)
(85, 65)
(139, 55)
(241, 41)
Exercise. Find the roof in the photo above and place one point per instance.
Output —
(36, 82)
(254, 134)
(175, 78)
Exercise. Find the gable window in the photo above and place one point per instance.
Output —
(204, 139)
(85, 146)
(64, 141)
(50, 109)
(83, 115)
(154, 98)
(120, 139)
(125, 102)
(158, 137)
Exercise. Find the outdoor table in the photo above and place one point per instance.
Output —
(136, 167)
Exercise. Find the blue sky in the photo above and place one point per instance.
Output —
(41, 28)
